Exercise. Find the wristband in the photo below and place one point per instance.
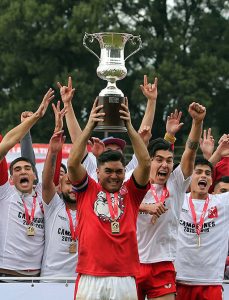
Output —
(170, 138)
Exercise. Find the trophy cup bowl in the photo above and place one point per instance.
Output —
(111, 68)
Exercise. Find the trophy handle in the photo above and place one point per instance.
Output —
(132, 39)
(90, 37)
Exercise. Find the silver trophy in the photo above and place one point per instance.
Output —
(111, 68)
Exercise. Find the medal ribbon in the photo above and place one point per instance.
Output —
(72, 229)
(165, 194)
(113, 209)
(29, 218)
(201, 222)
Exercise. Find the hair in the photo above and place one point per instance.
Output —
(21, 158)
(63, 167)
(224, 179)
(110, 155)
(203, 161)
(158, 144)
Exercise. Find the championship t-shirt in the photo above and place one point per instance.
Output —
(18, 251)
(157, 242)
(203, 264)
(57, 260)
(101, 252)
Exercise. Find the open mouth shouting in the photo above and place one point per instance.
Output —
(24, 182)
(202, 183)
(162, 173)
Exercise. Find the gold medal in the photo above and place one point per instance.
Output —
(30, 231)
(72, 247)
(198, 240)
(115, 228)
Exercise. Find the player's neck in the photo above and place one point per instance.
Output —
(153, 182)
(200, 196)
(71, 206)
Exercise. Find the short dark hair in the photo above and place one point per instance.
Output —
(158, 144)
(110, 155)
(63, 167)
(224, 179)
(203, 161)
(21, 158)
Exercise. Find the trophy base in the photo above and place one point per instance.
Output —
(112, 121)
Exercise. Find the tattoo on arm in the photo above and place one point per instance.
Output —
(192, 145)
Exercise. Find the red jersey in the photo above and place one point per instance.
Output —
(101, 252)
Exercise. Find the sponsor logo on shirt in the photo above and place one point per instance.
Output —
(20, 203)
(62, 218)
(184, 210)
(213, 212)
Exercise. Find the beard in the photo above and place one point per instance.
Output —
(67, 198)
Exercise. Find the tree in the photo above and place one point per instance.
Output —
(186, 46)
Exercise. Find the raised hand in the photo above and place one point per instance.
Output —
(197, 111)
(207, 143)
(223, 147)
(173, 124)
(66, 92)
(125, 113)
(56, 142)
(149, 90)
(95, 115)
(97, 146)
(25, 115)
(145, 134)
(44, 104)
(59, 115)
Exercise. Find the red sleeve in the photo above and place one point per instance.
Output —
(56, 179)
(3, 169)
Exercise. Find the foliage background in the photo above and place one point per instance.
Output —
(185, 45)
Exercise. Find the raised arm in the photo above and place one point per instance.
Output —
(150, 92)
(197, 112)
(67, 93)
(26, 141)
(55, 146)
(48, 186)
(142, 171)
(76, 170)
(17, 133)
(173, 125)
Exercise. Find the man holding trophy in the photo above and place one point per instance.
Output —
(107, 211)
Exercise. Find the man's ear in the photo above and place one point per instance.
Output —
(11, 180)
(97, 172)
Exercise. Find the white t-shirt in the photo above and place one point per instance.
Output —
(57, 261)
(90, 165)
(18, 251)
(204, 264)
(157, 242)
